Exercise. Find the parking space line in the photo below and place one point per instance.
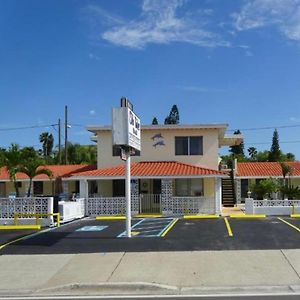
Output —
(228, 227)
(163, 233)
(291, 225)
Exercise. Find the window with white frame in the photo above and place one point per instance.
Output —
(189, 145)
(188, 187)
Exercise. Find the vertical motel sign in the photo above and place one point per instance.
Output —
(126, 133)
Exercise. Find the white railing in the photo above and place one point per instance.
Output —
(150, 203)
(173, 206)
(25, 205)
(189, 205)
(272, 207)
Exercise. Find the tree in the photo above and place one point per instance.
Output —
(32, 168)
(264, 188)
(47, 141)
(78, 154)
(252, 153)
(11, 159)
(173, 117)
(237, 149)
(274, 154)
(154, 121)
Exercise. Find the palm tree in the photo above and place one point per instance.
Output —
(47, 141)
(32, 168)
(252, 152)
(11, 159)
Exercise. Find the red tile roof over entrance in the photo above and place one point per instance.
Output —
(57, 171)
(153, 169)
(265, 169)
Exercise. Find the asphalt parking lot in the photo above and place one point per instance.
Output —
(160, 234)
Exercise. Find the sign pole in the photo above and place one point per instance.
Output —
(128, 194)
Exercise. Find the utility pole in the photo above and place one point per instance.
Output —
(66, 135)
(59, 142)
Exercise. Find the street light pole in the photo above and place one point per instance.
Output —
(59, 142)
(66, 135)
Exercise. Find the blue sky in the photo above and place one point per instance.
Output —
(235, 62)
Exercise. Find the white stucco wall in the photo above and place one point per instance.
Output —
(209, 158)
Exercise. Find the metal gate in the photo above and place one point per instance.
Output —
(150, 203)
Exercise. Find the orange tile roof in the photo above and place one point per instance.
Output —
(265, 169)
(57, 171)
(153, 169)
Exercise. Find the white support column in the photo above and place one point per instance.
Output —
(65, 187)
(218, 195)
(83, 188)
(84, 193)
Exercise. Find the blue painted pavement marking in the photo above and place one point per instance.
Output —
(91, 228)
(149, 227)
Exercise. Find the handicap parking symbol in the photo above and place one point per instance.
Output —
(92, 228)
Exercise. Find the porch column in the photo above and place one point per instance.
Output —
(218, 195)
(84, 193)
(65, 187)
(237, 183)
(135, 197)
(83, 189)
(166, 196)
(26, 186)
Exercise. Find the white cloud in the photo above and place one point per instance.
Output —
(94, 56)
(92, 112)
(294, 119)
(283, 14)
(199, 89)
(159, 23)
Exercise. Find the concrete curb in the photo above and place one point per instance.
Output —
(145, 288)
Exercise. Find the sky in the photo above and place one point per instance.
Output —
(235, 62)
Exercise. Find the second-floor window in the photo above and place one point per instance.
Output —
(189, 145)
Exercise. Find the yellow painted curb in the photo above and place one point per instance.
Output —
(18, 227)
(148, 216)
(295, 216)
(243, 216)
(201, 216)
(110, 218)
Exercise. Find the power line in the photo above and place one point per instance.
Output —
(27, 127)
(265, 128)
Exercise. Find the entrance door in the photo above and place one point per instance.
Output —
(150, 198)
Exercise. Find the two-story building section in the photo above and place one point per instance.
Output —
(176, 171)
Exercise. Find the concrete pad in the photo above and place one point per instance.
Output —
(86, 268)
(26, 272)
(207, 268)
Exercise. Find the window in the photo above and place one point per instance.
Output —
(188, 187)
(188, 145)
(38, 188)
(117, 151)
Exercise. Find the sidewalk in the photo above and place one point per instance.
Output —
(151, 272)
